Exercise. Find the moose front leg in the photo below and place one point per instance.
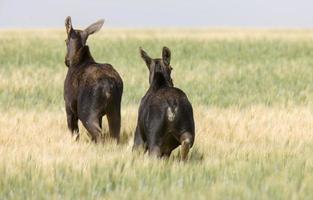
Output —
(72, 123)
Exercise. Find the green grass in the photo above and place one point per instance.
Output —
(252, 93)
(221, 72)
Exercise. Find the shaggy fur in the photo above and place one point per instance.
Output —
(165, 118)
(91, 90)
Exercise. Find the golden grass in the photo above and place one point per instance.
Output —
(43, 136)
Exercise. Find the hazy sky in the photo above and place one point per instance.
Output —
(158, 13)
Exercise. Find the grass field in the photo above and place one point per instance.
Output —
(252, 93)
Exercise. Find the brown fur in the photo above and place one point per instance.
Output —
(91, 90)
(165, 116)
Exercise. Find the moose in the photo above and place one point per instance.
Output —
(165, 117)
(91, 90)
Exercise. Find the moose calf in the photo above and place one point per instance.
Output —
(165, 118)
(91, 90)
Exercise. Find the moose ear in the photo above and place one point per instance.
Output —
(95, 27)
(145, 57)
(68, 24)
(166, 55)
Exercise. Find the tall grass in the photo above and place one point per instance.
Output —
(252, 93)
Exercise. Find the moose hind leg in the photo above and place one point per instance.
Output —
(155, 151)
(138, 140)
(186, 140)
(93, 127)
(72, 123)
(154, 138)
(114, 122)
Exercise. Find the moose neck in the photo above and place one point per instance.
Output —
(83, 55)
(159, 82)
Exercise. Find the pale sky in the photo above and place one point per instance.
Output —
(158, 13)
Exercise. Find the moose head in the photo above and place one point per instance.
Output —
(76, 39)
(159, 65)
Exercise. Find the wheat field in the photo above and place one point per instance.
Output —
(252, 94)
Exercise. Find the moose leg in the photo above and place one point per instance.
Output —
(155, 151)
(154, 138)
(114, 121)
(138, 140)
(72, 123)
(186, 141)
(170, 143)
(92, 125)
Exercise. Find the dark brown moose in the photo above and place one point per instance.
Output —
(165, 117)
(91, 90)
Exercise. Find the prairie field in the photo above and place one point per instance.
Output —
(252, 94)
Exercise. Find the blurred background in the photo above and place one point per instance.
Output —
(161, 13)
